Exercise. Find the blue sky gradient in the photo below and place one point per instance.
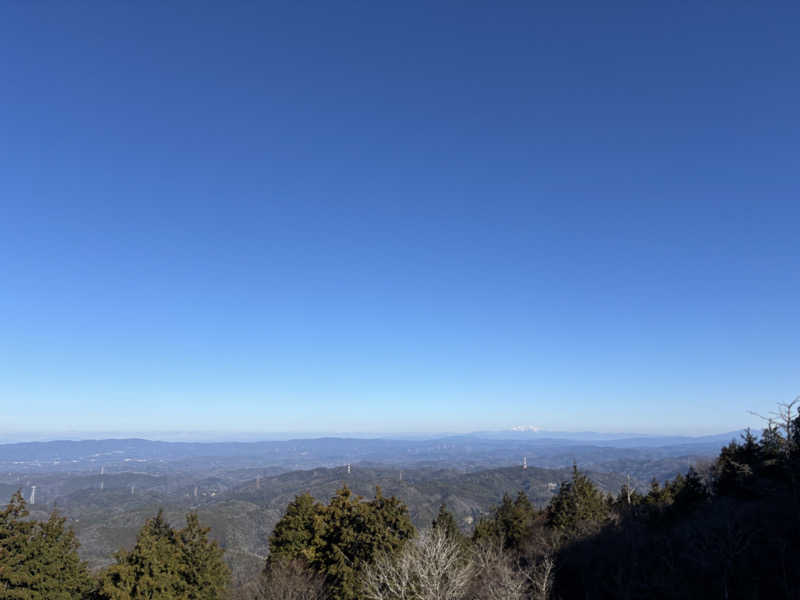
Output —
(388, 217)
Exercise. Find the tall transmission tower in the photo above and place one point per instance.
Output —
(348, 468)
(524, 463)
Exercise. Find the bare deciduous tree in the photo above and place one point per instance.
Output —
(784, 419)
(786, 422)
(430, 567)
(444, 570)
(390, 578)
(496, 577)
(541, 577)
(291, 580)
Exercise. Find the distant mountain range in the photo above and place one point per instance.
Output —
(476, 450)
(107, 488)
(210, 437)
(617, 440)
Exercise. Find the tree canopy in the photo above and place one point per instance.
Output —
(39, 559)
(168, 564)
(339, 540)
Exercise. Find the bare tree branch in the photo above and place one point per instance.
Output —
(430, 567)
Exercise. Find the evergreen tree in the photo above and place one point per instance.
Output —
(772, 441)
(203, 570)
(168, 565)
(388, 524)
(446, 523)
(340, 539)
(39, 561)
(62, 574)
(578, 506)
(298, 533)
(150, 570)
(692, 492)
(518, 523)
(16, 551)
(658, 496)
(510, 524)
(735, 469)
(749, 451)
(344, 548)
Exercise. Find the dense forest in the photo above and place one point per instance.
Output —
(731, 531)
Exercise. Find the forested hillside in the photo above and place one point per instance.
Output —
(242, 515)
(731, 531)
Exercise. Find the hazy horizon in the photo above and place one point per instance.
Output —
(258, 436)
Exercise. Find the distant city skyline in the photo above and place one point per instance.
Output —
(406, 217)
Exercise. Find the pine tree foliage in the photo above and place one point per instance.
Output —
(203, 570)
(168, 565)
(39, 560)
(16, 551)
(339, 540)
(150, 570)
(509, 525)
(355, 533)
(446, 523)
(61, 573)
(578, 506)
(298, 535)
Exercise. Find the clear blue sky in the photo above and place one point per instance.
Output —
(376, 216)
